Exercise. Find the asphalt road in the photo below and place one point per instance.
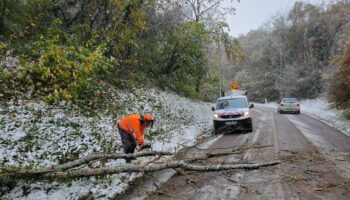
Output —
(315, 163)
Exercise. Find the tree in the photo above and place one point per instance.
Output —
(295, 50)
(340, 87)
(204, 10)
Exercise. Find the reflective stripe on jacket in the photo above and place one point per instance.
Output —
(132, 125)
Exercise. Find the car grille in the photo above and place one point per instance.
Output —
(230, 116)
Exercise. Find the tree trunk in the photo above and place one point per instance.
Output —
(7, 171)
(2, 16)
(151, 168)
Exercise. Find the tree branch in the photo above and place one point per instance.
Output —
(116, 156)
(27, 172)
(155, 167)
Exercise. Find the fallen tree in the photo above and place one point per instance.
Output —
(68, 170)
(134, 168)
(116, 156)
(154, 167)
(13, 171)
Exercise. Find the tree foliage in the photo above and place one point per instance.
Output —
(70, 49)
(339, 90)
(292, 55)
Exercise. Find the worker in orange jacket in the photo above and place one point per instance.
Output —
(131, 128)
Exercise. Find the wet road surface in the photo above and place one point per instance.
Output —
(315, 163)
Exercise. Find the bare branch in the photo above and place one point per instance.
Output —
(90, 158)
(81, 161)
(150, 168)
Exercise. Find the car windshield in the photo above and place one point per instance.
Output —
(232, 103)
(289, 100)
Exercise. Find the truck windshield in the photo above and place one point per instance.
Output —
(232, 103)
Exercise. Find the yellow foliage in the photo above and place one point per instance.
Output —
(2, 46)
(344, 63)
(66, 94)
(60, 71)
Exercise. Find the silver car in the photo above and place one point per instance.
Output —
(290, 105)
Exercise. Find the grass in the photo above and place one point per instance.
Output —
(155, 134)
(346, 115)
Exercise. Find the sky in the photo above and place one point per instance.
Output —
(251, 14)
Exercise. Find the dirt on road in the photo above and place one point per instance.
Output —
(315, 164)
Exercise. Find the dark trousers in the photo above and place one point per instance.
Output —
(129, 143)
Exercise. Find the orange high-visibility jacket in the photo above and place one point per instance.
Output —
(132, 125)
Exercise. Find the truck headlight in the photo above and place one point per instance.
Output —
(246, 114)
(216, 116)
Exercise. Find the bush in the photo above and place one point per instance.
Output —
(57, 66)
(347, 114)
(339, 89)
(60, 67)
(62, 71)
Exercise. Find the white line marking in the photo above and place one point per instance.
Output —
(280, 192)
(248, 153)
(258, 111)
(275, 137)
(256, 136)
(207, 144)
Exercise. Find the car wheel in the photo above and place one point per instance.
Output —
(250, 130)
(249, 127)
(217, 129)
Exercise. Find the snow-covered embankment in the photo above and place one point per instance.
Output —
(33, 134)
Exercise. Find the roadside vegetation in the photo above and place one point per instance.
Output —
(301, 53)
(56, 50)
(76, 51)
(68, 69)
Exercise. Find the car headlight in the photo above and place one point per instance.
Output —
(216, 116)
(246, 114)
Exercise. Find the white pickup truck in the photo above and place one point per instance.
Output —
(232, 111)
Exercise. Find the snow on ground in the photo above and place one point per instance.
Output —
(33, 134)
(321, 109)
